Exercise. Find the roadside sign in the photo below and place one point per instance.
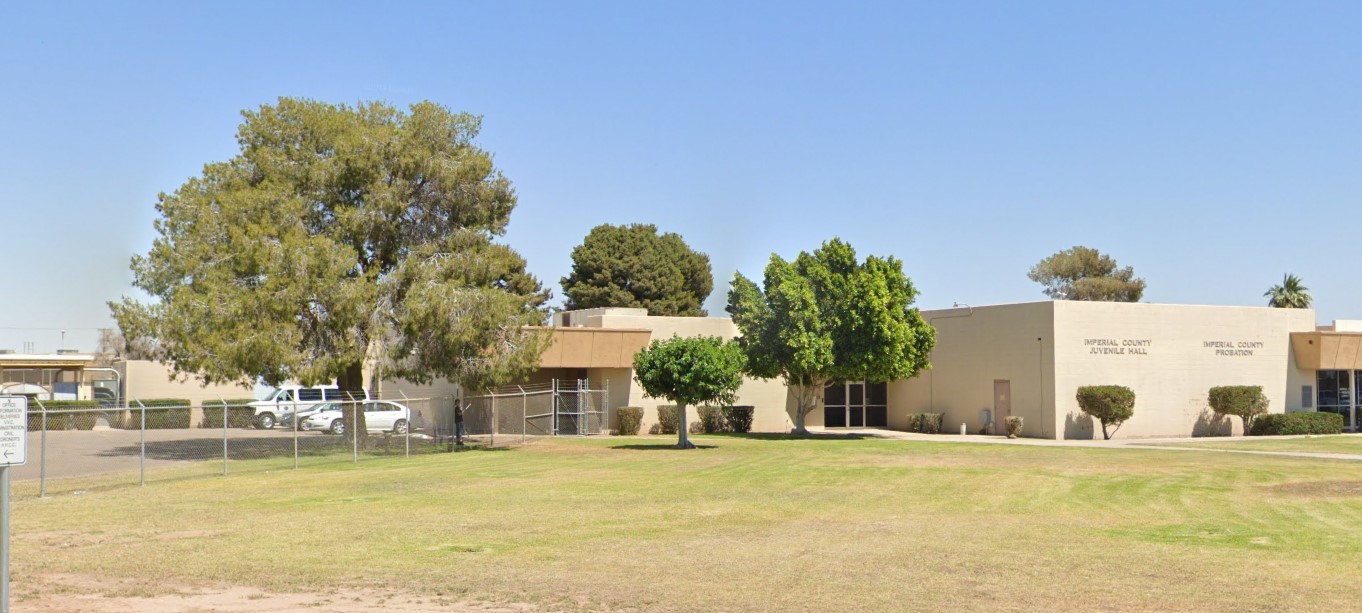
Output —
(13, 430)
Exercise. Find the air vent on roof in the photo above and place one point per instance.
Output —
(6, 352)
(68, 352)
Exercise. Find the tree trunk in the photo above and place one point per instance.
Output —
(682, 430)
(351, 384)
(805, 402)
(800, 413)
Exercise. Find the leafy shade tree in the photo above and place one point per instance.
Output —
(825, 317)
(1083, 273)
(689, 372)
(1291, 294)
(1245, 401)
(1110, 404)
(337, 236)
(634, 266)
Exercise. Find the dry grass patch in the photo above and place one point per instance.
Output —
(748, 525)
(1338, 443)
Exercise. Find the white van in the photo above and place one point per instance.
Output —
(285, 402)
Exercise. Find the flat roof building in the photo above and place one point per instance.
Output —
(1028, 360)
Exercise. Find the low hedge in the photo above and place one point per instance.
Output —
(712, 420)
(238, 414)
(667, 419)
(64, 414)
(630, 420)
(925, 423)
(1297, 423)
(162, 413)
(739, 418)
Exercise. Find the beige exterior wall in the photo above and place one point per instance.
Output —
(976, 347)
(145, 380)
(1171, 355)
(768, 398)
(396, 389)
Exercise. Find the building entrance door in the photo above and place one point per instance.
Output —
(1334, 389)
(855, 404)
(1002, 404)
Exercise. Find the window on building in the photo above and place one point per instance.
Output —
(1334, 393)
(856, 404)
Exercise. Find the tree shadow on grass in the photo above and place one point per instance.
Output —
(790, 436)
(658, 447)
(265, 448)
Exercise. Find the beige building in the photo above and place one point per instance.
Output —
(990, 362)
(1028, 360)
(599, 345)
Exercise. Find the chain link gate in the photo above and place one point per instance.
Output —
(557, 407)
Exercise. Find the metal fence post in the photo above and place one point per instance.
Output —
(224, 435)
(295, 437)
(354, 432)
(142, 455)
(42, 454)
(492, 436)
(524, 414)
(406, 402)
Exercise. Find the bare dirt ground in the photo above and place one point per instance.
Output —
(69, 594)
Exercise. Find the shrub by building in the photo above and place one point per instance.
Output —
(739, 418)
(1297, 423)
(162, 414)
(239, 415)
(1244, 401)
(666, 419)
(1112, 405)
(631, 418)
(925, 423)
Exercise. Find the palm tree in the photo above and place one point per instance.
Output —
(1289, 295)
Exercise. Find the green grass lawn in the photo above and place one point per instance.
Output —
(1339, 443)
(743, 525)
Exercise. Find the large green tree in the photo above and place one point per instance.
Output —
(826, 317)
(1084, 273)
(1291, 294)
(634, 266)
(690, 371)
(338, 236)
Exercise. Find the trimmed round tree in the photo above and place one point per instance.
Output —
(1245, 401)
(690, 371)
(1110, 404)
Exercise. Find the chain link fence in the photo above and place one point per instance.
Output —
(74, 446)
(559, 407)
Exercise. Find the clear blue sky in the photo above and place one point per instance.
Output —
(1213, 146)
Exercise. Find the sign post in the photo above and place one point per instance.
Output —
(13, 452)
